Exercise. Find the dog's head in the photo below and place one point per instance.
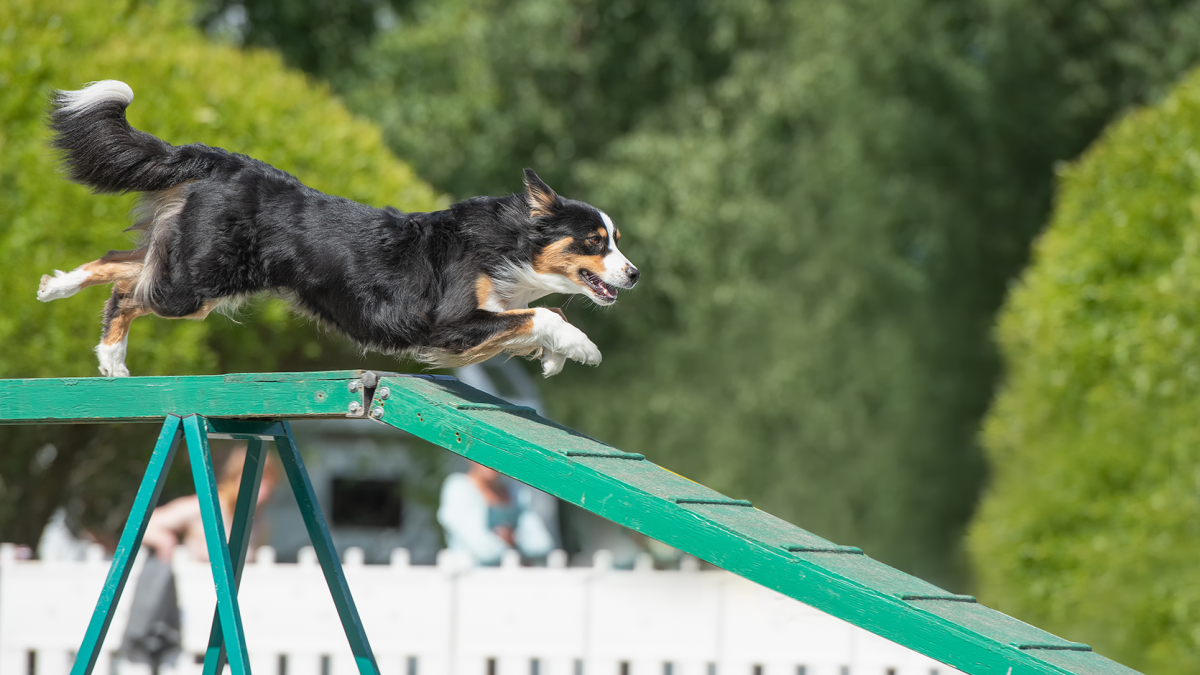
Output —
(578, 244)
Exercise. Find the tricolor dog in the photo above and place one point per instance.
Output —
(447, 288)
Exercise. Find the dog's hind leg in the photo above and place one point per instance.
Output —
(120, 311)
(114, 267)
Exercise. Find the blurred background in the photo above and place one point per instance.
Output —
(919, 276)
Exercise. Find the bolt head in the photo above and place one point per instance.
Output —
(355, 407)
(384, 393)
(354, 386)
(377, 413)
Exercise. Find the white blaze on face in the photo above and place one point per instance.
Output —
(616, 265)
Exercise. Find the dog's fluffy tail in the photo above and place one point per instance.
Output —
(101, 150)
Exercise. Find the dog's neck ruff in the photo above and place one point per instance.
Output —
(519, 284)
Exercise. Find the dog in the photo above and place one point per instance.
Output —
(447, 288)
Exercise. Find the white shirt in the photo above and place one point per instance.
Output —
(467, 521)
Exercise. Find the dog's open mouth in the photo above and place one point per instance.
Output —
(602, 290)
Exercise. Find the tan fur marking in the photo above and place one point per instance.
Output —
(554, 259)
(104, 271)
(483, 291)
(496, 344)
(603, 232)
(204, 311)
(118, 327)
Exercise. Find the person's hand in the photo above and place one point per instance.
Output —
(506, 533)
(164, 550)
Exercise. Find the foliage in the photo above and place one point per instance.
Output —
(1090, 525)
(827, 200)
(187, 90)
(315, 35)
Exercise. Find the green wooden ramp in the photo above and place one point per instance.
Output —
(623, 487)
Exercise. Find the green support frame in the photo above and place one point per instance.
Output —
(623, 487)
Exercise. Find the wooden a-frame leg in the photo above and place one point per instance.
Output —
(239, 544)
(196, 431)
(127, 548)
(318, 532)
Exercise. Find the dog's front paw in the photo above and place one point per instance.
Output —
(580, 348)
(562, 341)
(552, 363)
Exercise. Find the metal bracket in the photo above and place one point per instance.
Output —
(364, 386)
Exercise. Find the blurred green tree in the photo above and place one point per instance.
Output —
(828, 201)
(187, 90)
(1090, 526)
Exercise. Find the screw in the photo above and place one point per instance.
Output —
(355, 408)
(354, 385)
(376, 413)
(383, 393)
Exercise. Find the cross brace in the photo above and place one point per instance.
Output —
(227, 557)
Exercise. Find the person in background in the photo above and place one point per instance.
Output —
(484, 514)
(178, 521)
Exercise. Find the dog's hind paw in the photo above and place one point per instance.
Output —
(114, 370)
(112, 359)
(61, 285)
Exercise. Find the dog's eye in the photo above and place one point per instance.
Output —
(595, 240)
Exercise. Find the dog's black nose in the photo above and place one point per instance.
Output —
(634, 274)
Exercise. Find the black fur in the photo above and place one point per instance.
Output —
(392, 281)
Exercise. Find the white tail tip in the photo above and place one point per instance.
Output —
(94, 93)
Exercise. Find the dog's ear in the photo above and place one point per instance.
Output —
(541, 199)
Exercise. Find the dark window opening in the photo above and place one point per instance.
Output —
(367, 502)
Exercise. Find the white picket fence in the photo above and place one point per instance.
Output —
(451, 619)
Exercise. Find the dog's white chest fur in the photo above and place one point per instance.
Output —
(520, 285)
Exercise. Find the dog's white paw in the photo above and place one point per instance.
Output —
(114, 370)
(562, 341)
(577, 347)
(61, 285)
(112, 359)
(552, 363)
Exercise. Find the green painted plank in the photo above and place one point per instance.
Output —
(728, 532)
(135, 399)
(620, 486)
